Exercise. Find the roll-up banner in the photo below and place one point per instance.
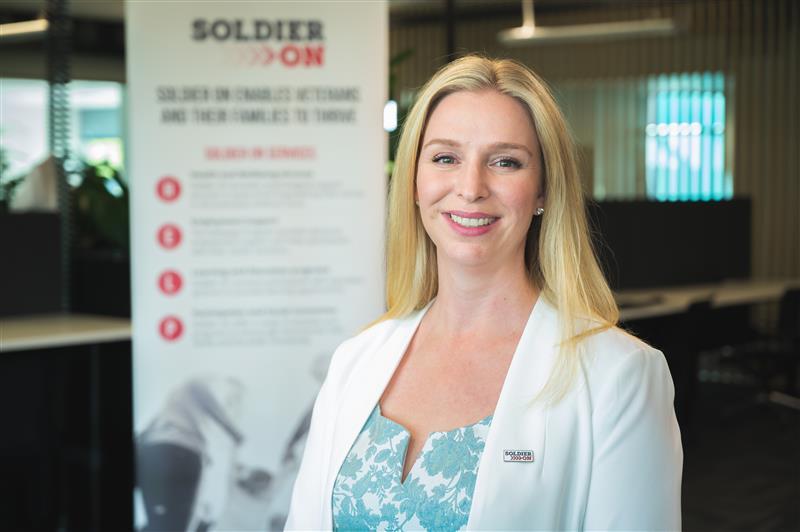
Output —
(256, 157)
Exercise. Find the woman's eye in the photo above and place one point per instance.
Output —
(508, 162)
(444, 159)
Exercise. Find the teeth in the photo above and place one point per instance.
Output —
(471, 222)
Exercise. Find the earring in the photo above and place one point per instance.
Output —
(417, 202)
(539, 211)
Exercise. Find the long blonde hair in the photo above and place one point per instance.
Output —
(560, 259)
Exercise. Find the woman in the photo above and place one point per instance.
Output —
(496, 392)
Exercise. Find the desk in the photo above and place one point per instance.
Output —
(655, 302)
(60, 330)
(662, 318)
(53, 331)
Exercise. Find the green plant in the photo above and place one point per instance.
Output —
(7, 184)
(101, 209)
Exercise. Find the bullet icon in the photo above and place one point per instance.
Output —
(168, 188)
(170, 282)
(170, 328)
(169, 236)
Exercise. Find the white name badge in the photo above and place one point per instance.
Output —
(517, 456)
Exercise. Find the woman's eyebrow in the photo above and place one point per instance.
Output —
(495, 146)
(446, 142)
(511, 146)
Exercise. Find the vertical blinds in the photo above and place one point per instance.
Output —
(685, 138)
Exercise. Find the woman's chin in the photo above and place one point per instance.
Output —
(467, 256)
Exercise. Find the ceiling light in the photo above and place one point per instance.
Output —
(20, 31)
(529, 33)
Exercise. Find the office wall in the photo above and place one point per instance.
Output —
(755, 43)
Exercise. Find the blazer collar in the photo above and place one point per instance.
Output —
(365, 387)
(529, 369)
(518, 422)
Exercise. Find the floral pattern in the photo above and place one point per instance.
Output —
(436, 494)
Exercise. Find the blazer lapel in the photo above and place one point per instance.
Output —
(365, 388)
(518, 424)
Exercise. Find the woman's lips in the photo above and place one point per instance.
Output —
(470, 223)
(465, 214)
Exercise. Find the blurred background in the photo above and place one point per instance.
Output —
(687, 119)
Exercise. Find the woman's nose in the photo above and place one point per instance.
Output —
(471, 183)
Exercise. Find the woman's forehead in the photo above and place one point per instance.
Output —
(481, 117)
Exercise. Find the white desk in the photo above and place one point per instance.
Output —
(60, 330)
(655, 302)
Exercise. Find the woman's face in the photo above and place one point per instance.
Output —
(479, 179)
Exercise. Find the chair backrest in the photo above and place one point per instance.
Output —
(697, 322)
(789, 315)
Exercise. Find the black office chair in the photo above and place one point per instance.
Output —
(691, 339)
(771, 357)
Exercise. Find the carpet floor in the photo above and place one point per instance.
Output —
(741, 463)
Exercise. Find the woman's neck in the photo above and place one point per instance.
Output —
(474, 301)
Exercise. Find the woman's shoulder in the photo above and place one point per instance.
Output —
(615, 354)
(366, 343)
(614, 342)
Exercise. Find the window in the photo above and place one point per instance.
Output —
(661, 138)
(96, 123)
(685, 146)
(23, 125)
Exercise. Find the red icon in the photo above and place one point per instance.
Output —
(170, 282)
(168, 188)
(169, 236)
(171, 328)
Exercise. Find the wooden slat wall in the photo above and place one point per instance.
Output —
(754, 43)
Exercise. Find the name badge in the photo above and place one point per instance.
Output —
(517, 456)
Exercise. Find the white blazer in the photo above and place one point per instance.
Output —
(608, 456)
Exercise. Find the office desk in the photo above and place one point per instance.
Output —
(659, 315)
(55, 332)
(656, 302)
(60, 330)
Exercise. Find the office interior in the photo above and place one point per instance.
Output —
(688, 144)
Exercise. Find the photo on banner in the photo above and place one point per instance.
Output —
(257, 159)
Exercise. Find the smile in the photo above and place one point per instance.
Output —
(472, 222)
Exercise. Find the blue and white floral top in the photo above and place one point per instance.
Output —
(437, 493)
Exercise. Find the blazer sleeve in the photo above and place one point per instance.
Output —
(303, 511)
(306, 508)
(638, 459)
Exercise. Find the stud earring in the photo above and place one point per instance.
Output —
(539, 211)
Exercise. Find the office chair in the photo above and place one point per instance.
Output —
(693, 339)
(773, 355)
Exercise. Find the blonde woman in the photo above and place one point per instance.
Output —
(496, 391)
